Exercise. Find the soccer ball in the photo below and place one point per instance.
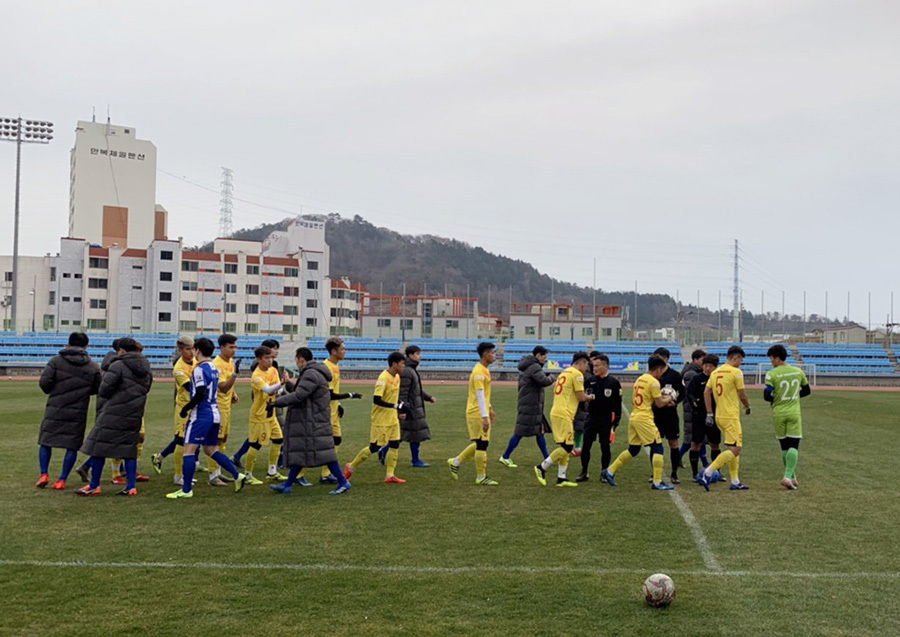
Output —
(659, 590)
(668, 391)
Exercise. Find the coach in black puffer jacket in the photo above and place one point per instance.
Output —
(124, 389)
(308, 436)
(69, 380)
(532, 381)
(414, 428)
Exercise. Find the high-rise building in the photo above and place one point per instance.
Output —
(112, 192)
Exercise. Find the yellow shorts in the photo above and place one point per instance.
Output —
(143, 431)
(563, 430)
(641, 432)
(476, 432)
(180, 423)
(732, 433)
(264, 431)
(224, 422)
(383, 434)
(335, 426)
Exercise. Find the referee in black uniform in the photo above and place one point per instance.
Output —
(666, 418)
(605, 413)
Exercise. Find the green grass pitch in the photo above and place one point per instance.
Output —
(438, 557)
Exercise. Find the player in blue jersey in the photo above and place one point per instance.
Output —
(202, 413)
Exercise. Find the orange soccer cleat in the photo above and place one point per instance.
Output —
(120, 480)
(394, 480)
(88, 491)
(59, 485)
(43, 481)
(142, 478)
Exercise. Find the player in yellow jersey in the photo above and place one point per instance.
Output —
(480, 416)
(264, 428)
(387, 410)
(336, 352)
(181, 372)
(726, 387)
(225, 397)
(642, 430)
(567, 396)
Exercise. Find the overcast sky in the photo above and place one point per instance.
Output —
(648, 135)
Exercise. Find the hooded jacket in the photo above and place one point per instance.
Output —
(414, 428)
(69, 380)
(308, 436)
(124, 388)
(532, 381)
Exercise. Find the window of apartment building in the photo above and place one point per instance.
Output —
(137, 267)
(66, 299)
(77, 275)
(231, 307)
(251, 308)
(189, 306)
(554, 331)
(529, 330)
(7, 276)
(294, 272)
(231, 268)
(188, 286)
(137, 287)
(52, 274)
(312, 285)
(406, 324)
(384, 322)
(98, 262)
(606, 331)
(231, 288)
(98, 304)
(165, 296)
(187, 326)
(587, 331)
(252, 269)
(66, 275)
(190, 266)
(292, 291)
(64, 322)
(164, 317)
(290, 329)
(165, 276)
(337, 294)
(96, 324)
(49, 321)
(311, 322)
(165, 255)
(312, 265)
(52, 299)
(312, 303)
(229, 327)
(452, 324)
(76, 299)
(135, 307)
(251, 328)
(291, 310)
(251, 289)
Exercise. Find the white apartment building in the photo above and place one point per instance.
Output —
(345, 306)
(564, 322)
(414, 317)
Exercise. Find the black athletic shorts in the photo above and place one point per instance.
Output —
(713, 433)
(699, 431)
(668, 428)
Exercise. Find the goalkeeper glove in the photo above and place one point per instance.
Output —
(710, 420)
(340, 412)
(270, 409)
(355, 395)
(747, 411)
(184, 412)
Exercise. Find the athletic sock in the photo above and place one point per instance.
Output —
(467, 454)
(335, 468)
(245, 447)
(703, 459)
(225, 462)
(189, 468)
(481, 461)
(685, 447)
(68, 462)
(252, 454)
(713, 454)
(168, 450)
(361, 457)
(414, 451)
(621, 459)
(131, 473)
(675, 457)
(579, 437)
(695, 460)
(657, 460)
(734, 470)
(542, 445)
(293, 472)
(720, 461)
(44, 454)
(561, 470)
(558, 456)
(179, 460)
(514, 441)
(116, 467)
(390, 462)
(96, 471)
(792, 456)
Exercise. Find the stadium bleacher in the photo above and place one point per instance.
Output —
(861, 359)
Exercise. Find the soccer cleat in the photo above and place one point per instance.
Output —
(348, 470)
(603, 476)
(394, 480)
(382, 455)
(795, 483)
(177, 495)
(563, 483)
(252, 481)
(283, 488)
(237, 462)
(610, 478)
(128, 492)
(454, 469)
(215, 482)
(118, 480)
(420, 464)
(697, 477)
(225, 478)
(240, 482)
(662, 486)
(59, 485)
(43, 481)
(788, 484)
(507, 462)
(540, 474)
(202, 468)
(140, 477)
(738, 487)
(156, 461)
(276, 477)
(329, 479)
(83, 473)
(582, 478)
(575, 453)
(303, 482)
(675, 480)
(703, 480)
(86, 490)
(487, 482)
(340, 489)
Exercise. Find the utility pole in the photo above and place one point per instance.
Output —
(226, 203)
(735, 319)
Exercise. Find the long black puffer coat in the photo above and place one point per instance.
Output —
(308, 436)
(414, 428)
(530, 413)
(69, 380)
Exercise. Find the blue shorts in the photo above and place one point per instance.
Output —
(203, 432)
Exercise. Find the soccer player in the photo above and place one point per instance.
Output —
(605, 415)
(666, 418)
(225, 397)
(337, 350)
(202, 415)
(642, 430)
(69, 380)
(691, 369)
(124, 388)
(700, 432)
(785, 386)
(582, 413)
(479, 417)
(414, 428)
(387, 410)
(308, 427)
(275, 346)
(567, 396)
(181, 371)
(727, 384)
(530, 419)
(264, 427)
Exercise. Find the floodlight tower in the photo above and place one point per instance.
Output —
(21, 131)
(226, 203)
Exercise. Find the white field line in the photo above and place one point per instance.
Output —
(709, 559)
(438, 570)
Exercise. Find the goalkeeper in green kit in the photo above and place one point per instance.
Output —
(785, 386)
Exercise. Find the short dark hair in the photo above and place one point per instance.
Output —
(78, 339)
(600, 357)
(396, 357)
(662, 352)
(778, 351)
(128, 344)
(655, 362)
(697, 353)
(412, 349)
(580, 356)
(711, 359)
(271, 343)
(115, 344)
(735, 350)
(204, 346)
(305, 353)
(262, 350)
(483, 347)
(333, 343)
(539, 350)
(227, 339)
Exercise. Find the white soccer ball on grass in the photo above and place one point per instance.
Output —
(659, 590)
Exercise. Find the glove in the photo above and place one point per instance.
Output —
(355, 395)
(340, 412)
(184, 412)
(747, 411)
(710, 420)
(402, 407)
(270, 409)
